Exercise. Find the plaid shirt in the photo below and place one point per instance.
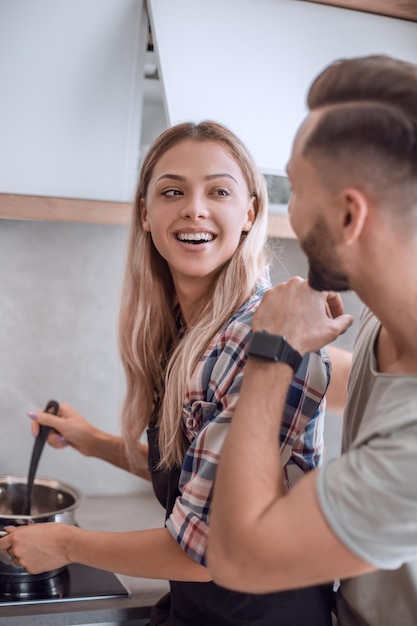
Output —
(211, 399)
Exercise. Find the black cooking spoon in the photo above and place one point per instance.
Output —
(51, 407)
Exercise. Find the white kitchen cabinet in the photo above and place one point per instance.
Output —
(248, 63)
(77, 113)
(72, 87)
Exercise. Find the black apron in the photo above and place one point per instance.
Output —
(207, 604)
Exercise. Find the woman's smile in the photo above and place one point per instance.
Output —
(195, 238)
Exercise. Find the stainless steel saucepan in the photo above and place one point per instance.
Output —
(52, 501)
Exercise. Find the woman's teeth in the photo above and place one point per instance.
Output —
(195, 237)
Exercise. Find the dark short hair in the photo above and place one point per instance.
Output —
(370, 115)
(377, 78)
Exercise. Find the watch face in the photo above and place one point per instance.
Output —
(265, 346)
(269, 347)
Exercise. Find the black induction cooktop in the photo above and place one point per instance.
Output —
(75, 582)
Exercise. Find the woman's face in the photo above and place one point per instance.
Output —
(196, 207)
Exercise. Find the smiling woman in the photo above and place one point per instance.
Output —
(195, 273)
(194, 179)
(197, 208)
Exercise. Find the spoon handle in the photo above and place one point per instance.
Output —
(51, 407)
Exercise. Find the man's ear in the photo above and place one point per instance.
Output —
(354, 213)
(144, 217)
(250, 217)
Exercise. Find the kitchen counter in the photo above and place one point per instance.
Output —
(108, 513)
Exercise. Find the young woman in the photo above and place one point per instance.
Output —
(195, 273)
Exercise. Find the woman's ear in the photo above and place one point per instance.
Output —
(144, 217)
(354, 213)
(250, 217)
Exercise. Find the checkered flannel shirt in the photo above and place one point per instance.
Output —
(211, 399)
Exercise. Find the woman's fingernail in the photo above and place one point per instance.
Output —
(33, 415)
(61, 439)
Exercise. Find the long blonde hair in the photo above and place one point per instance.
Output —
(158, 361)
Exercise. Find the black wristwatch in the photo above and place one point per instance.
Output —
(268, 347)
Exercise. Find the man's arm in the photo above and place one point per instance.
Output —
(262, 539)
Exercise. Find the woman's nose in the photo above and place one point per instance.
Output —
(195, 207)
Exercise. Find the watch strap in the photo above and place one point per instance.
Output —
(269, 347)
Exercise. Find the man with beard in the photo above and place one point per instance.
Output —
(353, 171)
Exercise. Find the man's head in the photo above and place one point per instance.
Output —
(356, 151)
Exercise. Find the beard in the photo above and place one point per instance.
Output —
(325, 272)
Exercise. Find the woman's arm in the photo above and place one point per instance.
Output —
(144, 553)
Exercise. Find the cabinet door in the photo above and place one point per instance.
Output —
(248, 63)
(71, 73)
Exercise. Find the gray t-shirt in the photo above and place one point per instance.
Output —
(369, 494)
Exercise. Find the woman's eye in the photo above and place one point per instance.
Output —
(171, 192)
(222, 192)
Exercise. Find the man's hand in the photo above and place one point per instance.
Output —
(308, 319)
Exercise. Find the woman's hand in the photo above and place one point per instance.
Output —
(73, 430)
(70, 428)
(38, 547)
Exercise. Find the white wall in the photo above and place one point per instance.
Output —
(60, 288)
